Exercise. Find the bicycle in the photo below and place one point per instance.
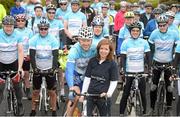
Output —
(161, 92)
(134, 99)
(43, 101)
(12, 104)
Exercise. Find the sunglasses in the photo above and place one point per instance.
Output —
(162, 25)
(63, 4)
(43, 29)
(51, 12)
(20, 20)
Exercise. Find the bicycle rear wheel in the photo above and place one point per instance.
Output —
(160, 101)
(42, 103)
(9, 106)
(138, 105)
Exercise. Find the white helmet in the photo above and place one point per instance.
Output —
(86, 33)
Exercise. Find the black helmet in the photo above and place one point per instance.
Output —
(135, 25)
(157, 11)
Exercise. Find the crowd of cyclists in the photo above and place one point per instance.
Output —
(145, 37)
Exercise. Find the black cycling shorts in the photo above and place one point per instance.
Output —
(26, 65)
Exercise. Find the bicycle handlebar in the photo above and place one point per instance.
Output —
(137, 75)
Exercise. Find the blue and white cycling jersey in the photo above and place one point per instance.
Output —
(44, 47)
(77, 61)
(97, 7)
(135, 50)
(177, 19)
(75, 21)
(173, 27)
(26, 35)
(29, 10)
(35, 27)
(97, 39)
(164, 43)
(55, 27)
(9, 46)
(60, 14)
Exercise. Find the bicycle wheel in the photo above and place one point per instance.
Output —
(160, 101)
(9, 106)
(138, 104)
(42, 105)
(14, 104)
(129, 105)
(95, 112)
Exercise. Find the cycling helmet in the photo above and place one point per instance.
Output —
(86, 0)
(62, 1)
(170, 14)
(74, 1)
(157, 11)
(86, 33)
(129, 14)
(51, 6)
(8, 20)
(162, 19)
(105, 5)
(98, 21)
(148, 5)
(123, 3)
(38, 6)
(43, 23)
(112, 2)
(135, 25)
(163, 7)
(20, 16)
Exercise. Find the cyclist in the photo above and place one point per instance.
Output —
(77, 61)
(148, 15)
(11, 57)
(101, 78)
(163, 41)
(171, 16)
(152, 24)
(17, 9)
(44, 56)
(175, 65)
(96, 5)
(32, 23)
(133, 50)
(112, 10)
(62, 10)
(56, 27)
(88, 11)
(99, 30)
(27, 34)
(29, 8)
(73, 21)
(124, 32)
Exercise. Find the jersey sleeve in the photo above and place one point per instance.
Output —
(124, 47)
(146, 46)
(114, 71)
(152, 37)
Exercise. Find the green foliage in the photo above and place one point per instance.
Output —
(7, 5)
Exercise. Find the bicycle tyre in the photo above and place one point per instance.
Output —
(129, 105)
(14, 104)
(160, 101)
(42, 104)
(9, 107)
(138, 105)
(95, 112)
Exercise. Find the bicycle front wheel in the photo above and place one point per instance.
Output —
(160, 101)
(14, 104)
(129, 105)
(138, 105)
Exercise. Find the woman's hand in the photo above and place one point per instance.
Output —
(103, 94)
(81, 99)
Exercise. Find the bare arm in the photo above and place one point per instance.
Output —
(20, 56)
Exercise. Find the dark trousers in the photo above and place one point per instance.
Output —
(126, 92)
(101, 104)
(155, 80)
